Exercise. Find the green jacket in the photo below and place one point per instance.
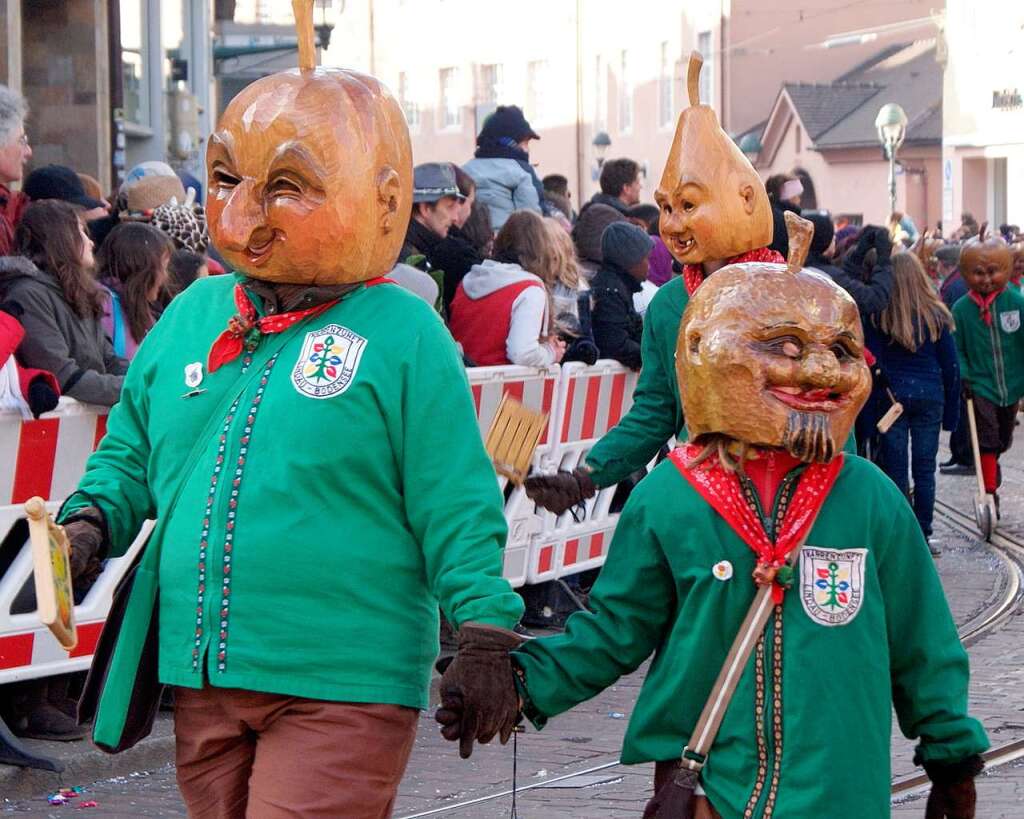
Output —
(327, 513)
(896, 645)
(992, 357)
(656, 414)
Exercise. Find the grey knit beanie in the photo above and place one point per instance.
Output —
(624, 244)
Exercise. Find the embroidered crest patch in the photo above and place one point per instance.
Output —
(328, 361)
(832, 584)
(1010, 321)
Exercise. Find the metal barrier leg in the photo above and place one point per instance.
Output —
(571, 594)
(12, 752)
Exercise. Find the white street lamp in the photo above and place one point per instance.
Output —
(891, 123)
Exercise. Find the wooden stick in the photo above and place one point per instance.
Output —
(693, 77)
(303, 11)
(800, 232)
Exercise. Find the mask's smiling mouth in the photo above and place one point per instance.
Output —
(682, 246)
(256, 254)
(820, 400)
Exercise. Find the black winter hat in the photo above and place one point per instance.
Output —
(624, 244)
(58, 182)
(507, 121)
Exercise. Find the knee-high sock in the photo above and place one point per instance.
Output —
(989, 470)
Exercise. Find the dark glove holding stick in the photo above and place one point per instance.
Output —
(86, 533)
(965, 390)
(561, 491)
(953, 794)
(478, 695)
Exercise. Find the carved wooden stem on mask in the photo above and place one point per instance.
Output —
(800, 232)
(303, 11)
(693, 77)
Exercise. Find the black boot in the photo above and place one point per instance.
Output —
(46, 720)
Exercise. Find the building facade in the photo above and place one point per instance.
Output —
(983, 113)
(580, 68)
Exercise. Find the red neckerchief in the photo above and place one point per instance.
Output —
(722, 490)
(985, 303)
(693, 274)
(231, 342)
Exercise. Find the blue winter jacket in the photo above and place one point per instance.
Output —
(931, 373)
(504, 186)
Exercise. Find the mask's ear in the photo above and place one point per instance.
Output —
(747, 194)
(389, 192)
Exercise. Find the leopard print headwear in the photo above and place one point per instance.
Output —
(185, 224)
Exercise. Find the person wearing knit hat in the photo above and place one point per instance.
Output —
(625, 249)
(149, 185)
(587, 233)
(505, 179)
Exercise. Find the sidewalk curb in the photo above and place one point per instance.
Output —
(85, 763)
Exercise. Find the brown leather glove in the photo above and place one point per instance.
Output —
(87, 534)
(478, 695)
(953, 795)
(561, 491)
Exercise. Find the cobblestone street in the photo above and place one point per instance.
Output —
(586, 741)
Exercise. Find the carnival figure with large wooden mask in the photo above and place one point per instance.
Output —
(303, 433)
(714, 212)
(767, 573)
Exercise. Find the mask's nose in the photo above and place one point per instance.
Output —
(241, 223)
(820, 369)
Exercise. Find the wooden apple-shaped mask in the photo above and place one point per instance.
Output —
(310, 174)
(772, 355)
(713, 204)
(986, 262)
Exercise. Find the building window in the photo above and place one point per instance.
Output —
(537, 90)
(134, 74)
(625, 93)
(666, 103)
(708, 72)
(409, 106)
(490, 85)
(451, 116)
(600, 95)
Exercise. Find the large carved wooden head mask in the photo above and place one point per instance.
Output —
(713, 203)
(772, 355)
(310, 174)
(986, 262)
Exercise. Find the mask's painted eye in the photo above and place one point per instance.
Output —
(689, 206)
(666, 208)
(283, 186)
(842, 352)
(224, 179)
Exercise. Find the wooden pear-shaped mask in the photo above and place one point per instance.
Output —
(772, 355)
(713, 204)
(310, 174)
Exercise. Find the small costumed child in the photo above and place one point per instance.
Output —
(772, 374)
(990, 346)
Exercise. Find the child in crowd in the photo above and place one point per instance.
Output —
(185, 267)
(132, 267)
(617, 324)
(990, 346)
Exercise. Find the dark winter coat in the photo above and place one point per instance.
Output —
(57, 339)
(455, 255)
(617, 325)
(953, 289)
(608, 199)
(930, 373)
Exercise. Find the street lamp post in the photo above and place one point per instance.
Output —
(891, 123)
(600, 142)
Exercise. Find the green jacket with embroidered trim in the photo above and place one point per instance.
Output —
(992, 357)
(656, 414)
(657, 594)
(355, 515)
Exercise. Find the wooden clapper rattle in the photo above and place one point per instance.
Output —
(512, 438)
(51, 561)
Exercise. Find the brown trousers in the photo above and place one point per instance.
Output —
(250, 755)
(663, 773)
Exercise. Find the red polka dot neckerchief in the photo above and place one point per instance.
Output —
(722, 490)
(693, 274)
(246, 327)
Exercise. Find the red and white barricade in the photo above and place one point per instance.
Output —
(591, 401)
(47, 457)
(536, 389)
